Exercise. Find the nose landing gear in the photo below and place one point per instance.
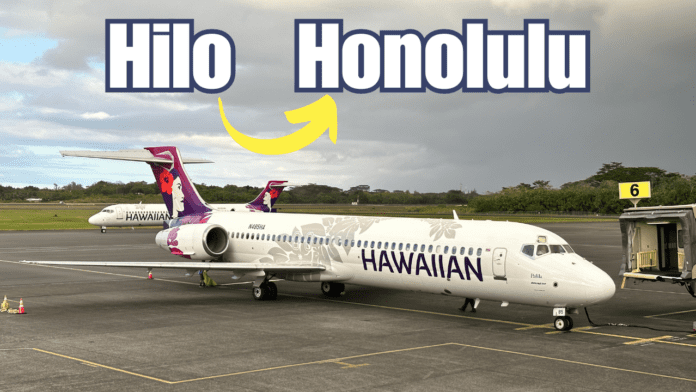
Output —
(563, 323)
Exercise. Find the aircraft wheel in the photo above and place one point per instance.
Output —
(260, 293)
(272, 291)
(332, 289)
(103, 229)
(563, 323)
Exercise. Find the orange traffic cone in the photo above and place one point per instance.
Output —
(21, 307)
(149, 275)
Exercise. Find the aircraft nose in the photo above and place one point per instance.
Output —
(93, 220)
(601, 289)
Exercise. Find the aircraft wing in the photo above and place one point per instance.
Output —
(193, 265)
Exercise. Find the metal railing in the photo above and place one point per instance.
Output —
(647, 259)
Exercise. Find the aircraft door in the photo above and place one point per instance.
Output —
(499, 262)
(119, 213)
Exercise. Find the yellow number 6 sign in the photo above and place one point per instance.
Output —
(634, 190)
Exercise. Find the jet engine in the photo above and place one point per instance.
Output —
(196, 241)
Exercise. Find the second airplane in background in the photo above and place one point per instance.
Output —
(130, 215)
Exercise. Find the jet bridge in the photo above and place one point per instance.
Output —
(659, 244)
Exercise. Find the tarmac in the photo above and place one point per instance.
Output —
(97, 329)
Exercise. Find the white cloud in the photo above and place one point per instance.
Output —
(96, 116)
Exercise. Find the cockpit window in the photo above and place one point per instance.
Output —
(108, 211)
(528, 250)
(542, 250)
(557, 249)
(568, 248)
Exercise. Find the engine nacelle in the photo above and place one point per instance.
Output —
(196, 241)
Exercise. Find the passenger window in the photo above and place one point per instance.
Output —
(359, 243)
(258, 235)
(247, 236)
(263, 237)
(437, 250)
(352, 243)
(285, 238)
(422, 248)
(528, 250)
(401, 245)
(471, 251)
(415, 247)
(379, 245)
(393, 245)
(430, 249)
(446, 250)
(462, 251)
(297, 238)
(479, 251)
(372, 245)
(408, 247)
(454, 250)
(274, 237)
(542, 250)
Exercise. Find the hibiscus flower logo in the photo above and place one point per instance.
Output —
(274, 193)
(166, 179)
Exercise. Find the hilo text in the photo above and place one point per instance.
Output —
(439, 267)
(163, 55)
(534, 59)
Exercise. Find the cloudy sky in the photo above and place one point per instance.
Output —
(641, 109)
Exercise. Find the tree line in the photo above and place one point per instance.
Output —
(149, 192)
(597, 194)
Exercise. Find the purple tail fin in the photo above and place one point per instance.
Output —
(178, 192)
(268, 196)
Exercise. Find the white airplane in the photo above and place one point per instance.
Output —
(497, 261)
(129, 215)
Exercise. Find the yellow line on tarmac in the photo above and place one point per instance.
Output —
(578, 363)
(650, 340)
(104, 366)
(341, 362)
(579, 329)
(669, 314)
(311, 363)
(534, 327)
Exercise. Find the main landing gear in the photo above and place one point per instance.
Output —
(265, 291)
(332, 289)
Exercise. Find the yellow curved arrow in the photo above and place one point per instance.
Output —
(320, 114)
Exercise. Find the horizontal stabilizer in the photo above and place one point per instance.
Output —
(138, 155)
(192, 265)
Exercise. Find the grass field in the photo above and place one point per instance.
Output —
(51, 216)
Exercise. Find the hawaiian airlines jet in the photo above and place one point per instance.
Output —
(497, 261)
(129, 215)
